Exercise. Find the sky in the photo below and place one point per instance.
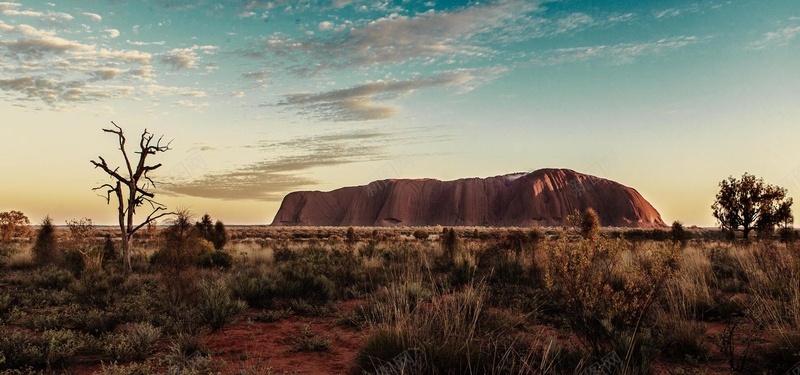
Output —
(261, 98)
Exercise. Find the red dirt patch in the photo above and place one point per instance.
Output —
(249, 343)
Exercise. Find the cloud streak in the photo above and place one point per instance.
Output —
(269, 180)
(367, 102)
(623, 53)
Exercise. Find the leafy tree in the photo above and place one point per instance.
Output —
(749, 203)
(132, 187)
(13, 224)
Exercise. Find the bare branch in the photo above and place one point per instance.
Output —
(113, 173)
(111, 189)
(152, 218)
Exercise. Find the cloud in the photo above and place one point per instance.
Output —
(574, 22)
(9, 9)
(35, 43)
(780, 37)
(622, 53)
(139, 43)
(270, 179)
(39, 65)
(185, 58)
(398, 39)
(112, 33)
(93, 16)
(676, 12)
(52, 91)
(365, 102)
(8, 6)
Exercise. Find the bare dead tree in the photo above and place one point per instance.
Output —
(132, 187)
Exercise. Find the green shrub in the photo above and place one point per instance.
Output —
(309, 341)
(187, 355)
(255, 287)
(136, 342)
(215, 305)
(52, 348)
(97, 321)
(52, 278)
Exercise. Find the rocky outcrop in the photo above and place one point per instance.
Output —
(544, 197)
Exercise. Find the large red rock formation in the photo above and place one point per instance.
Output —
(544, 197)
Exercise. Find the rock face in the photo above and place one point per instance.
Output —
(544, 197)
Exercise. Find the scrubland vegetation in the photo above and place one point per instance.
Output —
(416, 300)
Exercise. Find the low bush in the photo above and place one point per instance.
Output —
(136, 342)
(51, 348)
(215, 305)
(309, 341)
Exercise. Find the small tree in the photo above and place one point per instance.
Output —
(13, 224)
(132, 187)
(450, 243)
(748, 204)
(220, 235)
(590, 224)
(45, 250)
(678, 233)
(213, 232)
(350, 237)
(80, 240)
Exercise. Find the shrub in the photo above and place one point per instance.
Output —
(590, 224)
(678, 233)
(135, 343)
(681, 339)
(109, 251)
(445, 337)
(214, 233)
(187, 355)
(308, 341)
(182, 245)
(216, 259)
(52, 348)
(449, 243)
(350, 236)
(52, 278)
(598, 297)
(216, 307)
(253, 286)
(420, 234)
(129, 369)
(45, 248)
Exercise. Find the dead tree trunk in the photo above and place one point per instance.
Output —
(132, 187)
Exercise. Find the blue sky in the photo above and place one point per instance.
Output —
(266, 97)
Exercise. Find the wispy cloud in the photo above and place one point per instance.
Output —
(269, 179)
(622, 53)
(398, 39)
(368, 101)
(676, 12)
(779, 37)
